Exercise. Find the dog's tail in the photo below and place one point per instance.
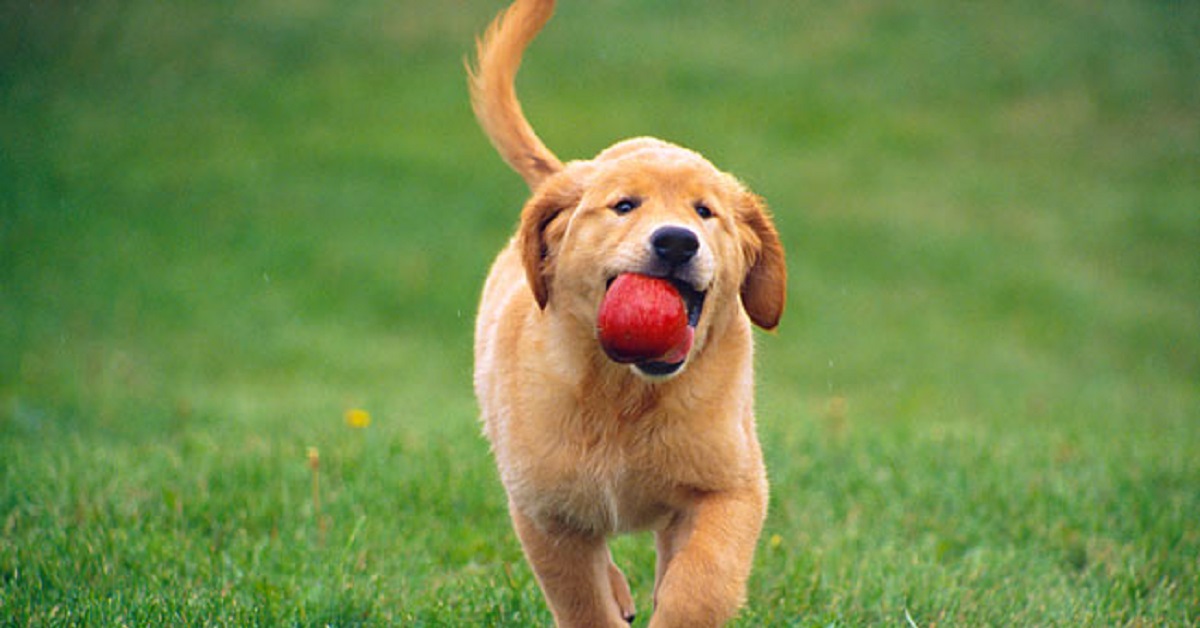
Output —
(494, 96)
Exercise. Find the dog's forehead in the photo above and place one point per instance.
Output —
(658, 169)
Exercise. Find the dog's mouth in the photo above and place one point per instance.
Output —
(693, 300)
(669, 361)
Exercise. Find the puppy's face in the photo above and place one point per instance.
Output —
(645, 206)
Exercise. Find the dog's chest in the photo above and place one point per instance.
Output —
(608, 468)
(600, 492)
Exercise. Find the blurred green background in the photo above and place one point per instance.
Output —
(224, 224)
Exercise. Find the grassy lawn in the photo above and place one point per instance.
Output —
(223, 225)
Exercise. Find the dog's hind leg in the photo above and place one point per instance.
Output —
(620, 589)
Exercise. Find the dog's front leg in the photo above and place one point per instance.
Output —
(704, 559)
(581, 584)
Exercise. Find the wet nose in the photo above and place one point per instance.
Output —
(675, 245)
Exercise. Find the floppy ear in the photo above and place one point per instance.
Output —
(764, 289)
(539, 235)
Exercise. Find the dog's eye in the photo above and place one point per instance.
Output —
(703, 211)
(626, 205)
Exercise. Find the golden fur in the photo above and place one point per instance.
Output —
(588, 448)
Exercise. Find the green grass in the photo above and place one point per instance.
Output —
(224, 224)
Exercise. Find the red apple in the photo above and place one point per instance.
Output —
(643, 319)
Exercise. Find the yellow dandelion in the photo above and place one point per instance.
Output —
(358, 418)
(776, 541)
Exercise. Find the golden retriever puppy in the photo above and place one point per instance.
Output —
(588, 447)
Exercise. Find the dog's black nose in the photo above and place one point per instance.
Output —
(675, 245)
